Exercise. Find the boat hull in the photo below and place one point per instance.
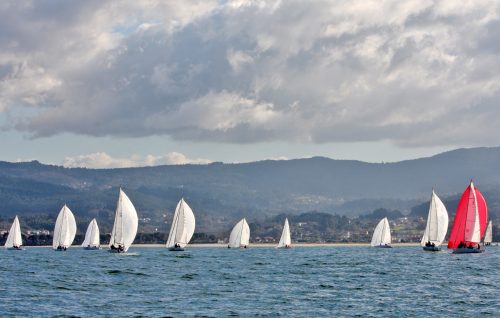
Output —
(115, 251)
(383, 246)
(465, 250)
(90, 248)
(431, 248)
(15, 249)
(176, 249)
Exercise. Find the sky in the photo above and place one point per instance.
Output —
(105, 84)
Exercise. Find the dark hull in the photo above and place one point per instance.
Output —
(89, 248)
(115, 251)
(15, 249)
(383, 246)
(465, 250)
(431, 248)
(176, 249)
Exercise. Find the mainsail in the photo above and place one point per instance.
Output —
(240, 235)
(92, 235)
(65, 229)
(437, 222)
(285, 240)
(14, 238)
(382, 233)
(126, 222)
(488, 235)
(470, 220)
(183, 225)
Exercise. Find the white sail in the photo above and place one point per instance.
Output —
(437, 222)
(488, 234)
(382, 233)
(240, 235)
(285, 240)
(183, 225)
(92, 235)
(65, 228)
(473, 218)
(126, 222)
(14, 238)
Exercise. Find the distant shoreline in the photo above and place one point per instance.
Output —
(251, 245)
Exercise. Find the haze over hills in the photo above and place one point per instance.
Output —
(220, 193)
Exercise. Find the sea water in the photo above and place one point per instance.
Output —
(255, 282)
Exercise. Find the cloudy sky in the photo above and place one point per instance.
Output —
(127, 83)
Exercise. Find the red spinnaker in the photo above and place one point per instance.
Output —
(465, 212)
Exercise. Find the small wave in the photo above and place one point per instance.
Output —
(326, 286)
(117, 271)
(189, 276)
(128, 254)
(183, 256)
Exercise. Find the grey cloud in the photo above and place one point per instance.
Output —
(411, 72)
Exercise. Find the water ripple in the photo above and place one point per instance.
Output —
(259, 282)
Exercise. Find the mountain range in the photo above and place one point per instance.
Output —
(220, 193)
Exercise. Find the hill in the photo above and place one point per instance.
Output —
(220, 193)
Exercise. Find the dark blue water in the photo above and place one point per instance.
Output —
(260, 281)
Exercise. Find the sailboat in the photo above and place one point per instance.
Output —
(91, 241)
(488, 235)
(64, 230)
(437, 225)
(240, 235)
(470, 222)
(382, 234)
(125, 226)
(14, 239)
(285, 240)
(182, 228)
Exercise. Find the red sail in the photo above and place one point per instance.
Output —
(466, 213)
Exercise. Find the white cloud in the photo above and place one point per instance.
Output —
(255, 71)
(103, 160)
(238, 59)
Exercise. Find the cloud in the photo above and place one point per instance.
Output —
(103, 160)
(416, 73)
